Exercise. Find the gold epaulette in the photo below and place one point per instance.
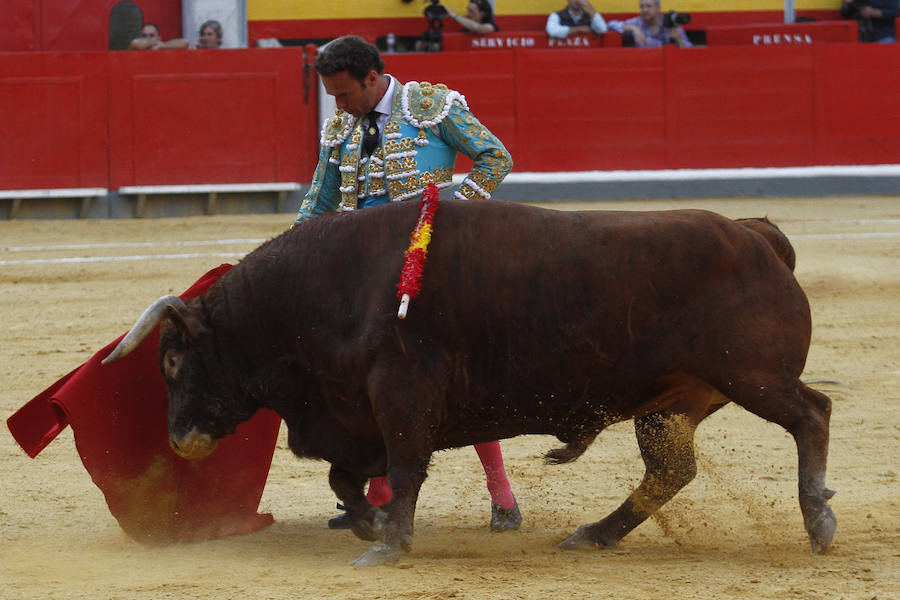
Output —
(425, 104)
(337, 128)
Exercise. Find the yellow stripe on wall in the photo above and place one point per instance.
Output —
(291, 10)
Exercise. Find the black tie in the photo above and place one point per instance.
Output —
(371, 138)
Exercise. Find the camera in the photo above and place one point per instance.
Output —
(673, 19)
(433, 38)
(434, 10)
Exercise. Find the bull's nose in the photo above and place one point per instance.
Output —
(193, 445)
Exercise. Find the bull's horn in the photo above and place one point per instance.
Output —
(143, 326)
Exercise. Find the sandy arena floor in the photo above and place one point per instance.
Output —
(734, 532)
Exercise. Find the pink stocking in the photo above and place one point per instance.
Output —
(497, 482)
(379, 492)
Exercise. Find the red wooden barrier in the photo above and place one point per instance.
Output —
(584, 110)
(21, 28)
(53, 117)
(239, 116)
(230, 116)
(728, 107)
(857, 104)
(784, 34)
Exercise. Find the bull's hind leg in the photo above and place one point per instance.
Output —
(666, 443)
(805, 414)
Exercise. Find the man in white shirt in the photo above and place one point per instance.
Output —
(578, 17)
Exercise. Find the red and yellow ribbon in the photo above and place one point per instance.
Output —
(414, 262)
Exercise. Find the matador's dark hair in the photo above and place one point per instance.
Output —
(350, 53)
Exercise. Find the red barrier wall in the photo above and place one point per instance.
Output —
(53, 113)
(239, 116)
(22, 27)
(233, 116)
(857, 104)
(727, 107)
(585, 110)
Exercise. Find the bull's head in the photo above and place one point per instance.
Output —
(202, 408)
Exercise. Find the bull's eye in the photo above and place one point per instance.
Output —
(171, 362)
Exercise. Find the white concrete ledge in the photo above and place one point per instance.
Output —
(54, 193)
(844, 171)
(210, 189)
(86, 195)
(705, 174)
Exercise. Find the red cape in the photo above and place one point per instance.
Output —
(118, 414)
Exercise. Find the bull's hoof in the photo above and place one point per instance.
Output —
(821, 531)
(505, 519)
(582, 539)
(378, 554)
(370, 529)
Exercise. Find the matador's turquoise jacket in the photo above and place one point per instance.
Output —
(428, 125)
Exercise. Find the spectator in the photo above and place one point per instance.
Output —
(210, 35)
(479, 17)
(385, 142)
(578, 17)
(876, 19)
(150, 40)
(650, 30)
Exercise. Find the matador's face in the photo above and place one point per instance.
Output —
(351, 95)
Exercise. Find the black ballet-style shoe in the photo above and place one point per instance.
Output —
(341, 521)
(505, 519)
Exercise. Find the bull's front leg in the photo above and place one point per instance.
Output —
(397, 531)
(366, 520)
(405, 405)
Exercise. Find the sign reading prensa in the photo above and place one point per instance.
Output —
(775, 34)
(766, 39)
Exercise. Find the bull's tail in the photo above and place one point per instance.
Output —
(779, 242)
(570, 451)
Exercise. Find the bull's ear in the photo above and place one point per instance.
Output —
(187, 322)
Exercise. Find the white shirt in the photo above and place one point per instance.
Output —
(385, 104)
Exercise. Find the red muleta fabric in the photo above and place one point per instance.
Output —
(118, 414)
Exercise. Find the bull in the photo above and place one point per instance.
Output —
(530, 321)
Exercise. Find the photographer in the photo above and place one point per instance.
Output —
(653, 29)
(479, 18)
(876, 19)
